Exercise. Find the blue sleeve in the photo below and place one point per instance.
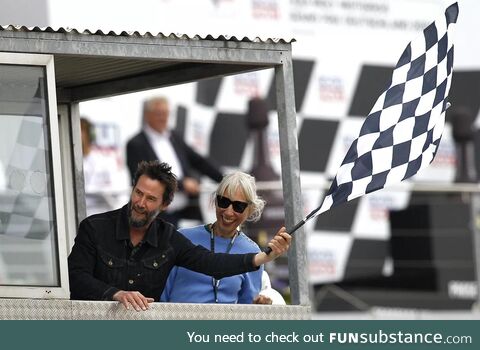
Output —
(167, 290)
(251, 286)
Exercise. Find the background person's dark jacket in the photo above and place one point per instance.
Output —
(139, 148)
(98, 265)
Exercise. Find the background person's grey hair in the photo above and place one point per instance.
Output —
(246, 183)
(149, 102)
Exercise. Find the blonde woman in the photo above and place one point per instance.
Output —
(236, 201)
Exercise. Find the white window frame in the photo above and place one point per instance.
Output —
(42, 292)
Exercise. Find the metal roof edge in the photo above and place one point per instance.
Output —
(178, 36)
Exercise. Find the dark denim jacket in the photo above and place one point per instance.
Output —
(99, 267)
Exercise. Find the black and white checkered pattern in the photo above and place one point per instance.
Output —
(26, 202)
(402, 133)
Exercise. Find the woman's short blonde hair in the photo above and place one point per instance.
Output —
(246, 183)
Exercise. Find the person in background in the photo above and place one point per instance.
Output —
(127, 254)
(267, 294)
(156, 141)
(236, 201)
(104, 185)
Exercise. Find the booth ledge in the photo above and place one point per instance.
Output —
(38, 309)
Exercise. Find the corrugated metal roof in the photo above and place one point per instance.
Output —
(91, 64)
(19, 28)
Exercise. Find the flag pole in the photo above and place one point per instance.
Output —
(299, 224)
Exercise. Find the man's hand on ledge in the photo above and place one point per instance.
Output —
(135, 299)
(262, 299)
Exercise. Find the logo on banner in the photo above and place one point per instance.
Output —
(331, 88)
(322, 263)
(445, 156)
(247, 85)
(265, 9)
(379, 207)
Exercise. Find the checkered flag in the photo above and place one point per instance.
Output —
(402, 133)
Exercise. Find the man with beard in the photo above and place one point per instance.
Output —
(127, 254)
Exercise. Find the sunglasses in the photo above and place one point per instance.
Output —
(224, 203)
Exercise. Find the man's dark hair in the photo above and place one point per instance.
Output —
(161, 172)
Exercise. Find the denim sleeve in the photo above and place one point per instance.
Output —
(81, 265)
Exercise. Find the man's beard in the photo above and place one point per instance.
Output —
(148, 216)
